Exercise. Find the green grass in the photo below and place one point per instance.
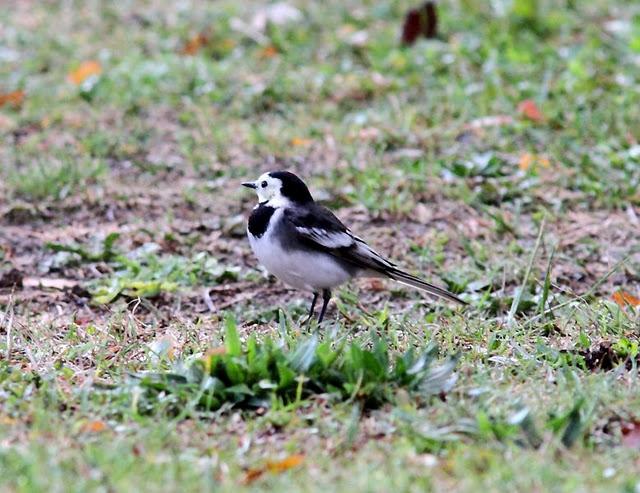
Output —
(52, 179)
(126, 186)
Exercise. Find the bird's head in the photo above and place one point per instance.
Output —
(279, 188)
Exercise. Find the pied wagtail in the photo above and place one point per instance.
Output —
(307, 247)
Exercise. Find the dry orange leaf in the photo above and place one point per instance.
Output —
(84, 71)
(527, 160)
(276, 467)
(300, 141)
(268, 51)
(529, 109)
(193, 45)
(624, 299)
(285, 464)
(14, 98)
(95, 426)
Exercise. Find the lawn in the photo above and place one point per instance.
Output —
(143, 349)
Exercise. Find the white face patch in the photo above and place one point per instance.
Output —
(268, 188)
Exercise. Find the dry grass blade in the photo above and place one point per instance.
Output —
(587, 293)
(8, 316)
(518, 296)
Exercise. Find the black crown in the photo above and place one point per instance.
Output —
(293, 187)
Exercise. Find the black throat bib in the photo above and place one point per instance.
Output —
(259, 219)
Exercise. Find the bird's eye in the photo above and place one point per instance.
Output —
(263, 184)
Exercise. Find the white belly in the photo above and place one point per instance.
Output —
(299, 269)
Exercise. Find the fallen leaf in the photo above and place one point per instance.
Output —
(251, 475)
(527, 160)
(300, 141)
(530, 110)
(631, 434)
(268, 52)
(624, 299)
(194, 44)
(14, 98)
(84, 71)
(285, 464)
(275, 467)
(422, 21)
(96, 426)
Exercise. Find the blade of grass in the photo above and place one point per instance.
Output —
(583, 297)
(547, 281)
(8, 316)
(518, 296)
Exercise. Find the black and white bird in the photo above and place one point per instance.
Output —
(307, 247)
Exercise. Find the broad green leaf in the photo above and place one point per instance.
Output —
(304, 355)
(232, 339)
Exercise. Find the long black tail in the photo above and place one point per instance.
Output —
(409, 280)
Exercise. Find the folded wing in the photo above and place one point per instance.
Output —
(319, 229)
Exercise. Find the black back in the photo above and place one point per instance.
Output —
(259, 219)
(293, 187)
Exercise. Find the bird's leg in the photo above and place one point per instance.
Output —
(313, 306)
(326, 296)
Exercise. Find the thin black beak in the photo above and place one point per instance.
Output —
(249, 184)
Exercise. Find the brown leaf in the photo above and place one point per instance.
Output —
(84, 71)
(631, 434)
(411, 27)
(251, 475)
(529, 109)
(624, 299)
(418, 22)
(194, 44)
(430, 20)
(14, 98)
